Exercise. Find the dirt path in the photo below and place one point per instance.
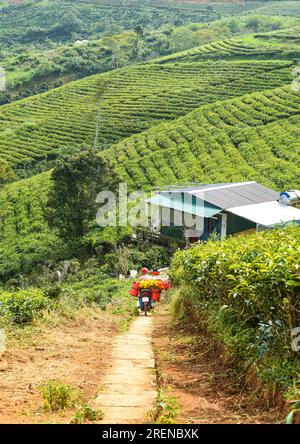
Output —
(119, 369)
(199, 380)
(129, 387)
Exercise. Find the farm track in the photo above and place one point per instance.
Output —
(129, 387)
(200, 382)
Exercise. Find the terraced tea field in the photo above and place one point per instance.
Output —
(253, 137)
(136, 99)
(242, 48)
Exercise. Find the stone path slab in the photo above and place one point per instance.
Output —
(129, 387)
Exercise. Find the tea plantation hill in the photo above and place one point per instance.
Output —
(136, 98)
(253, 137)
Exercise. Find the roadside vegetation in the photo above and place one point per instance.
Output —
(244, 291)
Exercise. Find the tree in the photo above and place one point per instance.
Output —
(234, 26)
(68, 23)
(139, 31)
(254, 23)
(77, 179)
(6, 173)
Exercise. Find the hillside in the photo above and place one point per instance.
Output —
(35, 67)
(136, 99)
(254, 137)
(24, 235)
(56, 20)
(273, 45)
(286, 8)
(102, 103)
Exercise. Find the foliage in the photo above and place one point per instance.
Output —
(53, 291)
(137, 256)
(87, 413)
(293, 397)
(25, 238)
(52, 20)
(59, 396)
(77, 180)
(22, 306)
(38, 67)
(270, 45)
(167, 406)
(245, 291)
(97, 289)
(6, 173)
(122, 256)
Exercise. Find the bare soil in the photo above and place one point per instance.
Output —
(200, 381)
(75, 352)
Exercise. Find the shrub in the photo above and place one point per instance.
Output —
(22, 306)
(53, 291)
(246, 291)
(167, 406)
(87, 413)
(59, 396)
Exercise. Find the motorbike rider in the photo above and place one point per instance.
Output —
(145, 275)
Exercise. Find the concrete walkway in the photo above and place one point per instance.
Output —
(130, 384)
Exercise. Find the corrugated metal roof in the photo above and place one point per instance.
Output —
(235, 195)
(267, 214)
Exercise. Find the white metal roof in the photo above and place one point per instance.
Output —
(267, 213)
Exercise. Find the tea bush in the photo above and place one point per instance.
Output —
(246, 291)
(22, 306)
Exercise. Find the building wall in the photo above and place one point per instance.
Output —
(236, 224)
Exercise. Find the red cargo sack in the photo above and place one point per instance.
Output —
(156, 295)
(135, 289)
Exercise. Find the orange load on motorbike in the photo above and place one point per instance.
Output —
(155, 285)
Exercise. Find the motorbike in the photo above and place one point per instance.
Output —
(146, 301)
